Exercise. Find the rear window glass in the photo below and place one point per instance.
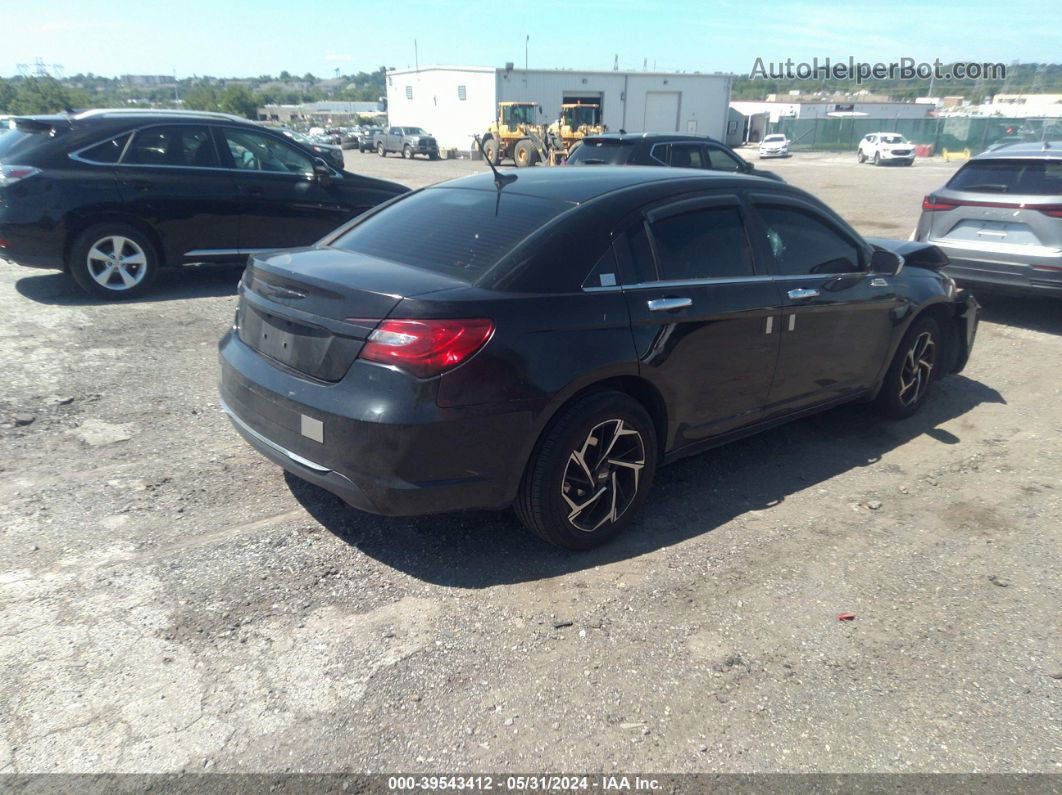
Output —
(600, 153)
(454, 231)
(1029, 177)
(15, 142)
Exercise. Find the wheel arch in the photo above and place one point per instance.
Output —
(942, 311)
(636, 387)
(78, 224)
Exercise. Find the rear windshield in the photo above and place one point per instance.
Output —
(600, 152)
(1011, 175)
(454, 231)
(17, 142)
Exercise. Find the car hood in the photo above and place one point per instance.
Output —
(914, 253)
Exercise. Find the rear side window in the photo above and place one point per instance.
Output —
(106, 153)
(454, 231)
(1010, 175)
(592, 152)
(184, 145)
(802, 243)
(687, 156)
(702, 244)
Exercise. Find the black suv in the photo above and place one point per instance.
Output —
(112, 196)
(662, 149)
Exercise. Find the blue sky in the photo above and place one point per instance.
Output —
(240, 38)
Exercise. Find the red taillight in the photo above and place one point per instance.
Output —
(1053, 211)
(426, 348)
(9, 174)
(932, 203)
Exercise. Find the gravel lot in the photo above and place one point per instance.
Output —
(171, 601)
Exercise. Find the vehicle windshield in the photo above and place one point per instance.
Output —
(893, 139)
(459, 232)
(1010, 175)
(594, 152)
(302, 139)
(413, 131)
(774, 139)
(519, 114)
(577, 117)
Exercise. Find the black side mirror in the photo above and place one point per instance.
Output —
(322, 171)
(885, 262)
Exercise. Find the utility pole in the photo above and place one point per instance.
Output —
(416, 56)
(527, 38)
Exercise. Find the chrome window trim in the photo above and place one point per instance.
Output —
(654, 157)
(669, 283)
(76, 154)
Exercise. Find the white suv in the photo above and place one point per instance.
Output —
(885, 147)
(774, 145)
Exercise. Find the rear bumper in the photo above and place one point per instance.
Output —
(1028, 274)
(36, 245)
(376, 438)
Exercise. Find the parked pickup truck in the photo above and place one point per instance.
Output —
(407, 140)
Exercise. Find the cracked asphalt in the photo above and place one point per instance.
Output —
(170, 601)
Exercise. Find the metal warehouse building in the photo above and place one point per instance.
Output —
(453, 102)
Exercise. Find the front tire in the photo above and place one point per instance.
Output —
(380, 150)
(113, 261)
(914, 368)
(491, 151)
(524, 153)
(407, 152)
(877, 158)
(590, 473)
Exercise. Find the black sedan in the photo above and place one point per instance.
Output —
(548, 343)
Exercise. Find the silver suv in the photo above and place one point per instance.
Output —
(999, 219)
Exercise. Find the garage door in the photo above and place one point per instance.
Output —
(661, 111)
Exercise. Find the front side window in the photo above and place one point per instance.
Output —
(519, 114)
(721, 160)
(801, 243)
(708, 243)
(253, 151)
(180, 145)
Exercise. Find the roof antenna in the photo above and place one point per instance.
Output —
(500, 180)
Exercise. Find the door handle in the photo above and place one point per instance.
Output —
(669, 304)
(800, 293)
(136, 184)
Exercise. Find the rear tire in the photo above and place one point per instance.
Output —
(113, 261)
(913, 370)
(603, 444)
(862, 158)
(380, 150)
(877, 158)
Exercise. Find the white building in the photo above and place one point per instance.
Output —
(454, 102)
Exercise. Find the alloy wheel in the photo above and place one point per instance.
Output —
(917, 369)
(601, 478)
(117, 263)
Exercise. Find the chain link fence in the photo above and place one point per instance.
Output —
(954, 134)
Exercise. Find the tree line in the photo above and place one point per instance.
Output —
(241, 96)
